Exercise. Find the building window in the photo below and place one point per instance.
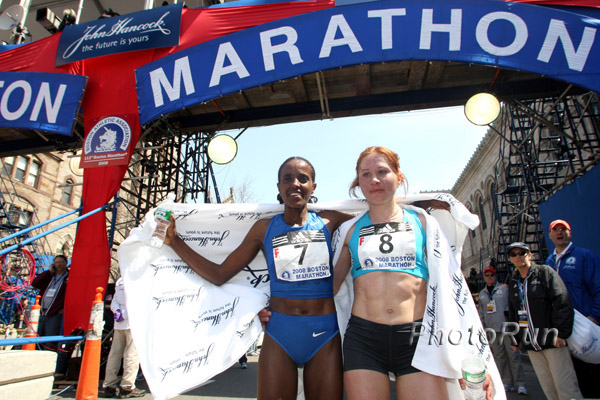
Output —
(7, 166)
(473, 233)
(66, 250)
(27, 170)
(482, 214)
(21, 169)
(68, 190)
(34, 173)
(25, 217)
(18, 216)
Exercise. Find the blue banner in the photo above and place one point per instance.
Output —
(541, 40)
(41, 101)
(148, 29)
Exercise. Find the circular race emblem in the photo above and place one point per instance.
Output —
(109, 135)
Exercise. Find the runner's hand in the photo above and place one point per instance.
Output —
(264, 316)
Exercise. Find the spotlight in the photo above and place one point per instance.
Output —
(109, 14)
(52, 22)
(222, 149)
(48, 19)
(69, 18)
(482, 109)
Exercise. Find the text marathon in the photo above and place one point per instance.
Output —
(530, 38)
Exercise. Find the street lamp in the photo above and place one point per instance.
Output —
(222, 149)
(482, 109)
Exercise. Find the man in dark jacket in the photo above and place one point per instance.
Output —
(539, 303)
(579, 269)
(53, 288)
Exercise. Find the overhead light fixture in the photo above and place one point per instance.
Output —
(482, 109)
(48, 19)
(222, 149)
(52, 22)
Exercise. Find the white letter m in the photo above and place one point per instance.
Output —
(159, 81)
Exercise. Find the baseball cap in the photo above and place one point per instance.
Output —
(490, 269)
(518, 245)
(559, 222)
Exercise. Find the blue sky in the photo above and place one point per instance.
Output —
(434, 146)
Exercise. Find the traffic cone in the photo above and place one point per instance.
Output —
(87, 387)
(32, 327)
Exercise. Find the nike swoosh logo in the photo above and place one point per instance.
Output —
(318, 334)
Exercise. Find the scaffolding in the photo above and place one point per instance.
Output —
(547, 143)
(165, 161)
(17, 267)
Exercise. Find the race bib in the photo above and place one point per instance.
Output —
(388, 246)
(491, 307)
(523, 319)
(301, 256)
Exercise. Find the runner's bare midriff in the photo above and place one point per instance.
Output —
(389, 297)
(306, 307)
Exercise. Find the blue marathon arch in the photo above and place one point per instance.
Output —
(542, 40)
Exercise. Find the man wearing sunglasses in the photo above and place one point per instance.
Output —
(539, 303)
(579, 269)
(493, 311)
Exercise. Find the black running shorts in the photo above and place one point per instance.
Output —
(381, 348)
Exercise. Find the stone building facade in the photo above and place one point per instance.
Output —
(474, 188)
(39, 187)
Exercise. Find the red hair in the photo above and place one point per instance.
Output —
(391, 159)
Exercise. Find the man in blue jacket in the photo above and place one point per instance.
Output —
(579, 268)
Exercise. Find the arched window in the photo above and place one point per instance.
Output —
(68, 191)
(482, 214)
(473, 231)
(67, 246)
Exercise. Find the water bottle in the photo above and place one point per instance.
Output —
(473, 372)
(163, 220)
(118, 315)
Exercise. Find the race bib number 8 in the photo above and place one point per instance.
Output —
(389, 246)
(301, 256)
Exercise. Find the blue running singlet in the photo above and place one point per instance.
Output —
(299, 258)
(391, 246)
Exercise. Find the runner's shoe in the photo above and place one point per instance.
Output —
(129, 393)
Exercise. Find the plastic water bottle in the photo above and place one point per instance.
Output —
(118, 315)
(163, 220)
(473, 372)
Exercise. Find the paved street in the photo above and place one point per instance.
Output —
(240, 384)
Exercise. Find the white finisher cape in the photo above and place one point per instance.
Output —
(187, 330)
